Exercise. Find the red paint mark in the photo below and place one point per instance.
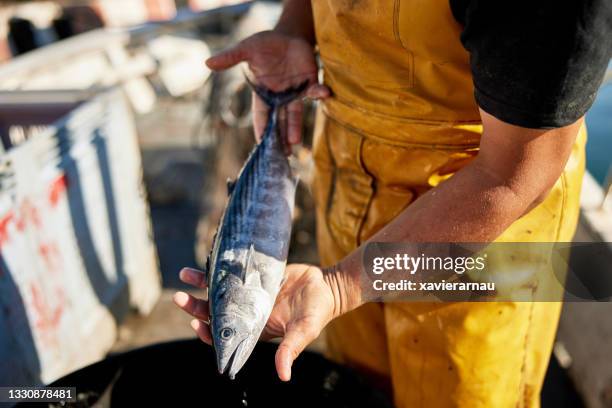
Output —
(58, 186)
(47, 318)
(50, 255)
(28, 215)
(20, 223)
(31, 212)
(4, 221)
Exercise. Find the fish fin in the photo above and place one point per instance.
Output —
(249, 258)
(251, 277)
(276, 99)
(207, 268)
(230, 186)
(208, 265)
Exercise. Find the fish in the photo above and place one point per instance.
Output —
(246, 266)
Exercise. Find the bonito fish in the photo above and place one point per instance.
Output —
(247, 263)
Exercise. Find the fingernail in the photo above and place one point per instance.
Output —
(180, 298)
(210, 62)
(321, 93)
(183, 273)
(195, 324)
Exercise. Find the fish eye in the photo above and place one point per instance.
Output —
(226, 333)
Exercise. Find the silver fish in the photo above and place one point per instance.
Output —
(247, 263)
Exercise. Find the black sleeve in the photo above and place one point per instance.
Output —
(536, 63)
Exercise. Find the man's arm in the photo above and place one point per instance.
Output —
(296, 20)
(513, 172)
(279, 59)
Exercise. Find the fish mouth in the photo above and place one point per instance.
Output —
(236, 360)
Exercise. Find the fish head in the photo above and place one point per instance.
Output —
(236, 325)
(233, 341)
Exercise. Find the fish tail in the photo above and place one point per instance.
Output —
(277, 99)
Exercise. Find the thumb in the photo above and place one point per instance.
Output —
(228, 58)
(317, 91)
(295, 341)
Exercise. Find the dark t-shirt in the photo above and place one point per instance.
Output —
(537, 63)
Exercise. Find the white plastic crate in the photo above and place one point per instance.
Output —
(76, 248)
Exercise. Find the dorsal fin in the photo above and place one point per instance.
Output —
(207, 269)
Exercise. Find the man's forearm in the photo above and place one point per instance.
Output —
(472, 206)
(296, 20)
(512, 174)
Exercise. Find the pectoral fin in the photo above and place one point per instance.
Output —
(252, 275)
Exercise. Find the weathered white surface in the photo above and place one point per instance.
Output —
(93, 59)
(585, 330)
(596, 210)
(181, 67)
(75, 241)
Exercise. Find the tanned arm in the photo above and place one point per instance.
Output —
(296, 20)
(513, 172)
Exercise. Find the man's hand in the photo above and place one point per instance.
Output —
(278, 61)
(306, 303)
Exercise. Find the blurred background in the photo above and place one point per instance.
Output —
(116, 146)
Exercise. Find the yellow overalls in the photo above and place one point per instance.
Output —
(402, 119)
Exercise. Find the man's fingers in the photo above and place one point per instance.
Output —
(202, 330)
(193, 277)
(290, 117)
(228, 58)
(317, 91)
(295, 112)
(295, 341)
(294, 122)
(194, 306)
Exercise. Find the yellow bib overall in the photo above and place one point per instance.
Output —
(402, 119)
